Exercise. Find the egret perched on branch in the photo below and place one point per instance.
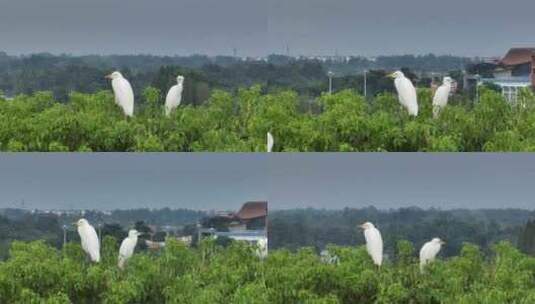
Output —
(89, 238)
(174, 96)
(124, 95)
(429, 251)
(270, 142)
(374, 242)
(127, 247)
(440, 100)
(406, 92)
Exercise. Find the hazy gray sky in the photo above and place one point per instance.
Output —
(122, 180)
(259, 27)
(225, 181)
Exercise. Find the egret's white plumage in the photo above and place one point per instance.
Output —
(406, 92)
(124, 95)
(89, 239)
(429, 251)
(440, 100)
(127, 247)
(374, 242)
(174, 96)
(270, 142)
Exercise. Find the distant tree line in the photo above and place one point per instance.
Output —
(64, 74)
(318, 228)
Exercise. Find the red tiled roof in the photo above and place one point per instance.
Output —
(251, 210)
(517, 56)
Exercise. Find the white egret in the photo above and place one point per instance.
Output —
(374, 242)
(440, 100)
(406, 92)
(174, 96)
(429, 251)
(270, 142)
(127, 247)
(124, 95)
(89, 239)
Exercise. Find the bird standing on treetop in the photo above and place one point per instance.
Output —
(440, 100)
(406, 92)
(174, 96)
(124, 95)
(127, 247)
(89, 239)
(429, 251)
(374, 242)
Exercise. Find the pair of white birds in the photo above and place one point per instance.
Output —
(91, 244)
(374, 246)
(408, 98)
(124, 95)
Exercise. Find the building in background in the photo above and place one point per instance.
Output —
(249, 224)
(510, 74)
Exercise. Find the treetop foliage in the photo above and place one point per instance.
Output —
(344, 121)
(209, 273)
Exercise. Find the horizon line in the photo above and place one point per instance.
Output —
(423, 54)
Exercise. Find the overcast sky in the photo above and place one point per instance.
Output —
(225, 181)
(260, 27)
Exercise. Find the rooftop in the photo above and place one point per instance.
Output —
(252, 210)
(517, 56)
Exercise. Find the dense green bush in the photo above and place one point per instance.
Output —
(345, 122)
(37, 273)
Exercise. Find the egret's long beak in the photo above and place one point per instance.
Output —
(442, 243)
(74, 223)
(108, 76)
(362, 226)
(391, 76)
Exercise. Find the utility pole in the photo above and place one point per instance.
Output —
(64, 235)
(199, 227)
(330, 74)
